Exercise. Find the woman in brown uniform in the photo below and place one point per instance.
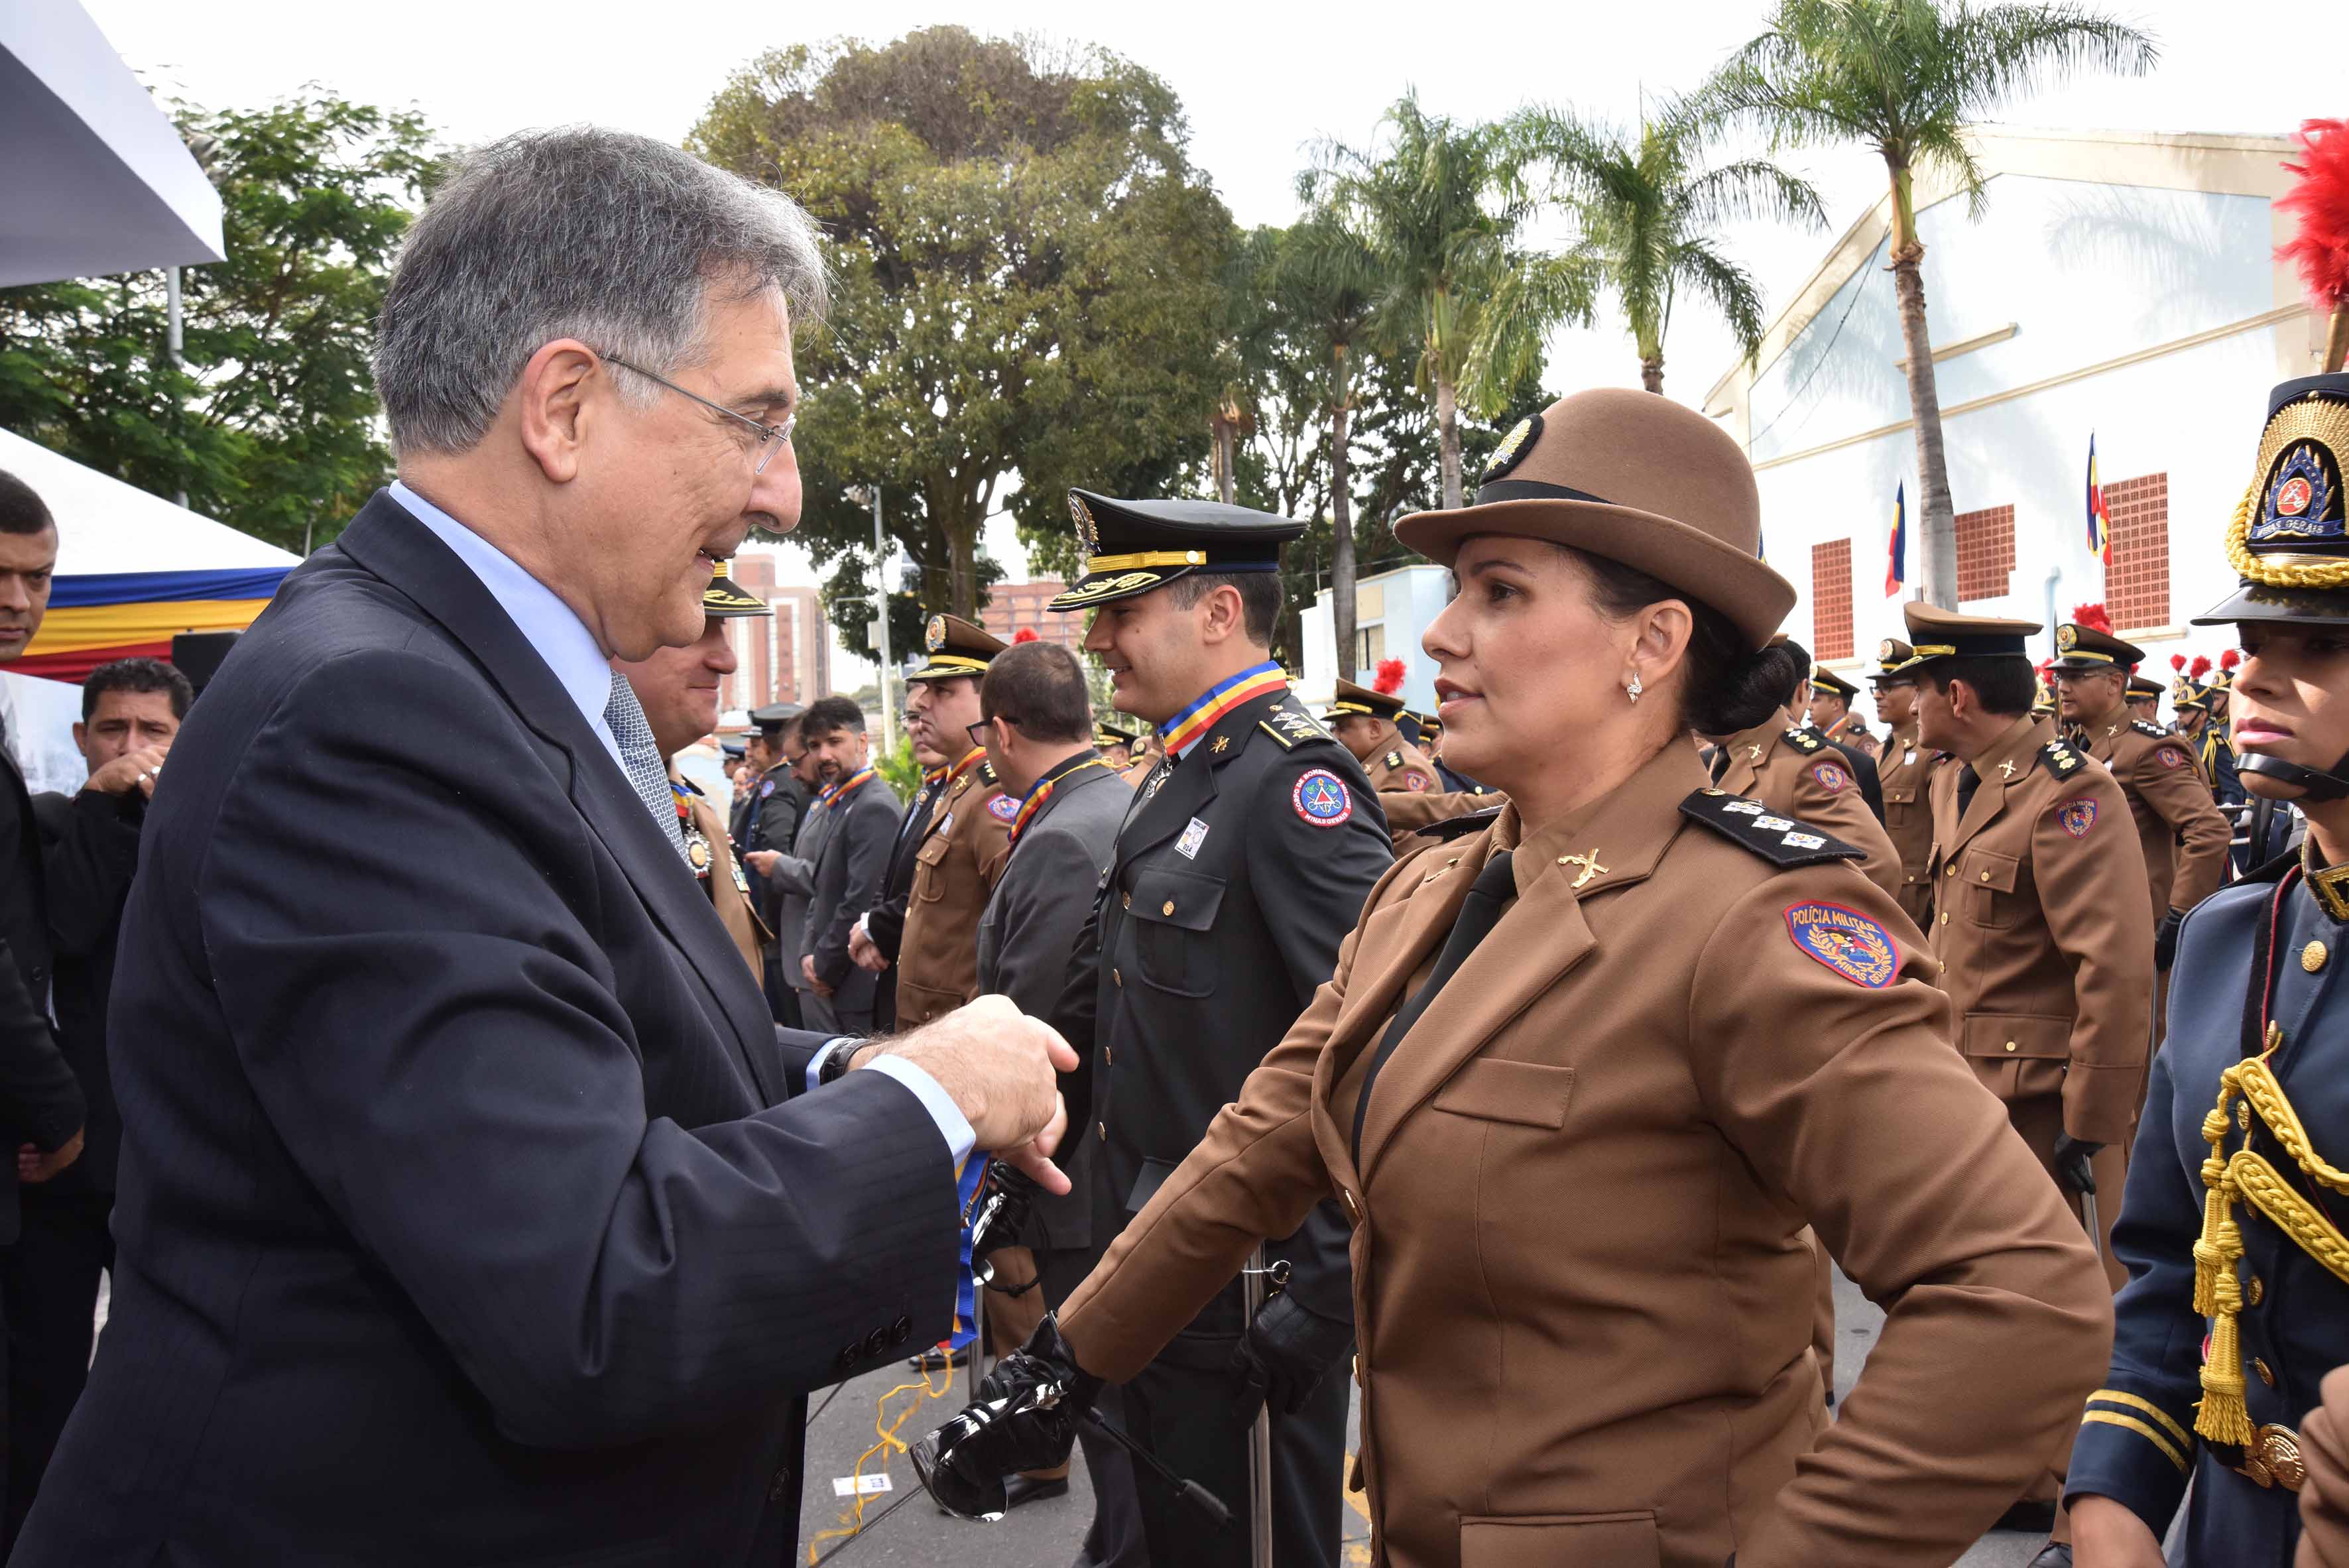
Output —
(1581, 1078)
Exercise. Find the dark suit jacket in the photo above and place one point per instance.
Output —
(89, 852)
(1863, 771)
(40, 1103)
(462, 1217)
(884, 922)
(857, 837)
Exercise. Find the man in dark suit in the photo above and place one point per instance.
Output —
(41, 1104)
(1826, 698)
(132, 710)
(471, 1209)
(882, 926)
(860, 817)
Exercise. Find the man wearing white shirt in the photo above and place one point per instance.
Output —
(472, 1208)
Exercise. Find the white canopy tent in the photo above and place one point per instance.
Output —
(96, 180)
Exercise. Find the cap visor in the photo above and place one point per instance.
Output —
(2288, 606)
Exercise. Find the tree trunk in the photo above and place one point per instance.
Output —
(1447, 439)
(1937, 516)
(962, 567)
(1227, 481)
(1651, 374)
(1342, 515)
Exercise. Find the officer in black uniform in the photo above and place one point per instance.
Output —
(771, 821)
(1244, 859)
(2238, 1300)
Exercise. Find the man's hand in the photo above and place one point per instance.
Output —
(131, 770)
(2071, 1159)
(762, 861)
(807, 972)
(998, 1066)
(34, 1166)
(1287, 1351)
(862, 954)
(1026, 1418)
(2106, 1534)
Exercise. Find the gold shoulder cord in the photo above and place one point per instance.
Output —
(2245, 1175)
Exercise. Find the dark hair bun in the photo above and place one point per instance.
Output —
(1745, 693)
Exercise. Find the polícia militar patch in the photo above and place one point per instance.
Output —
(1845, 941)
(1831, 777)
(1005, 806)
(2077, 815)
(1321, 799)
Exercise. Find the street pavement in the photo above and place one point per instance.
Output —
(1046, 1534)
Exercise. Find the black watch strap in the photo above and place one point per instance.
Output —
(838, 1053)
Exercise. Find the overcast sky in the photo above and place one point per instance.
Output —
(1257, 91)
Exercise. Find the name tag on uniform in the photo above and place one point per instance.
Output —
(1187, 846)
(948, 825)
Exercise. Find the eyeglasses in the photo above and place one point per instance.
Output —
(981, 732)
(772, 439)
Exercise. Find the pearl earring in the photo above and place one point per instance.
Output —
(1635, 688)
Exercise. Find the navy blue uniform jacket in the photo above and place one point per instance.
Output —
(463, 1217)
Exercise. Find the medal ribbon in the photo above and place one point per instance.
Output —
(1183, 730)
(1043, 792)
(835, 793)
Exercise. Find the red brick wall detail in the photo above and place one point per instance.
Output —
(1831, 599)
(1985, 552)
(2136, 585)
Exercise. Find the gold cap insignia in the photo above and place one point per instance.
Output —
(1514, 447)
(936, 636)
(2067, 636)
(1088, 535)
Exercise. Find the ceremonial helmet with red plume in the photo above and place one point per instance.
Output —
(1389, 679)
(2321, 250)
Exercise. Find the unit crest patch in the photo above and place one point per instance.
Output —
(2077, 815)
(2171, 756)
(1321, 799)
(1004, 806)
(1845, 941)
(1831, 777)
(766, 789)
(1412, 781)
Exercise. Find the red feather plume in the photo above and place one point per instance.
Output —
(2093, 617)
(2178, 663)
(1024, 634)
(1390, 677)
(2200, 667)
(2231, 658)
(2321, 198)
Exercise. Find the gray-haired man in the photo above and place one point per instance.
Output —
(471, 1209)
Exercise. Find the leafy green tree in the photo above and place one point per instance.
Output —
(1439, 204)
(1906, 78)
(270, 424)
(1648, 216)
(1027, 284)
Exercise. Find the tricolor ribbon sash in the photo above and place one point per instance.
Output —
(1183, 730)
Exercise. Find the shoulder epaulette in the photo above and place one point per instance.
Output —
(2058, 757)
(1460, 826)
(987, 775)
(1781, 840)
(1805, 737)
(1394, 759)
(1294, 728)
(2144, 728)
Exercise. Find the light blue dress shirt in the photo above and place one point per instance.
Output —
(558, 634)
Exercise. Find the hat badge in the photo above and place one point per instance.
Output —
(2067, 636)
(1088, 536)
(1514, 447)
(2300, 497)
(1884, 651)
(935, 635)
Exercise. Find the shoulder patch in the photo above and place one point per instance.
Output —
(2171, 756)
(1460, 826)
(1321, 799)
(987, 775)
(1845, 941)
(2077, 815)
(1805, 737)
(1780, 841)
(2154, 731)
(1004, 806)
(2058, 757)
(1831, 776)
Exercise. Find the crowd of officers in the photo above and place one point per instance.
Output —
(1174, 894)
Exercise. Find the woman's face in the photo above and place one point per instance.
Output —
(2291, 698)
(1528, 667)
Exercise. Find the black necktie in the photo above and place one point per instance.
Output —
(1479, 912)
(1720, 761)
(1967, 780)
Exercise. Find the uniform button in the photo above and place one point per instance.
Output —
(1102, 1127)
(876, 1341)
(1945, 917)
(780, 1487)
(1985, 876)
(2011, 1046)
(2312, 956)
(1127, 900)
(1166, 908)
(1109, 1056)
(1950, 872)
(2258, 1288)
(2266, 1376)
(1117, 979)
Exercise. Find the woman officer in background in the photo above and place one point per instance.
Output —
(1583, 1074)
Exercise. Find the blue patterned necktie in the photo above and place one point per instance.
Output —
(641, 759)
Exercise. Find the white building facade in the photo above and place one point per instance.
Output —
(1391, 610)
(2118, 286)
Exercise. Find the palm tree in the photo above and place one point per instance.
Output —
(1440, 208)
(1326, 290)
(1647, 216)
(1906, 76)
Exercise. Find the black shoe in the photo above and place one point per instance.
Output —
(2038, 1518)
(2055, 1554)
(1022, 1489)
(936, 1360)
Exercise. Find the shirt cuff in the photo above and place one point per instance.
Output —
(815, 1063)
(960, 1137)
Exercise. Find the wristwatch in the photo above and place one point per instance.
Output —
(837, 1053)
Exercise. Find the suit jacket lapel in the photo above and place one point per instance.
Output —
(402, 552)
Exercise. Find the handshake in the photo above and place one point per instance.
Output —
(1001, 1069)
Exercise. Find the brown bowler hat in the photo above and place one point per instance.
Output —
(1633, 478)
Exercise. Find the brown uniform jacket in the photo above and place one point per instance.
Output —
(1396, 765)
(728, 890)
(2324, 1498)
(2037, 893)
(2179, 825)
(1906, 770)
(1791, 769)
(956, 868)
(1581, 1300)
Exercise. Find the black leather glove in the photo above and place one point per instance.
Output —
(1002, 1208)
(1026, 1418)
(1287, 1351)
(2164, 938)
(2071, 1158)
